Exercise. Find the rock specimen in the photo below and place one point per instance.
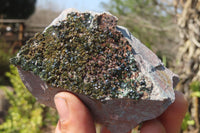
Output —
(119, 79)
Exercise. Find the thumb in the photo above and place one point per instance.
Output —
(74, 117)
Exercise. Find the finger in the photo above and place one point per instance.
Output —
(152, 126)
(58, 128)
(74, 116)
(172, 118)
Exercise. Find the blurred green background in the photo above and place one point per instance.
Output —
(170, 28)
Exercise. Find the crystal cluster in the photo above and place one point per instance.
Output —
(85, 54)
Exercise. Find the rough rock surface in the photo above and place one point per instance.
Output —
(117, 77)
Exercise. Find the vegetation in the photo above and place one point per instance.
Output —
(188, 66)
(25, 115)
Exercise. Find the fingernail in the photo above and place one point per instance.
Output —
(62, 108)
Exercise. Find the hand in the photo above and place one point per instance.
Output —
(76, 118)
(170, 121)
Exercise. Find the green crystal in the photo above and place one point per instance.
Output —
(84, 54)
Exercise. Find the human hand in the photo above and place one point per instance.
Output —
(76, 118)
(170, 121)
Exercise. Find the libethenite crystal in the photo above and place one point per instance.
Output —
(119, 79)
(86, 54)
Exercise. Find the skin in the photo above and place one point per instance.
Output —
(76, 118)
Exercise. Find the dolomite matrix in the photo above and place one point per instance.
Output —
(120, 80)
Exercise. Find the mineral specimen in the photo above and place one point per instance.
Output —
(120, 80)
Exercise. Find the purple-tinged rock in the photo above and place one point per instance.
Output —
(118, 78)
